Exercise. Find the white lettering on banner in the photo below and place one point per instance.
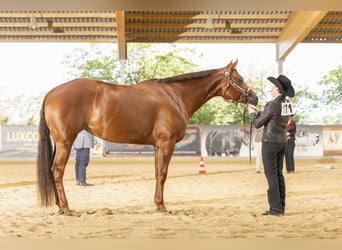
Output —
(287, 109)
(21, 136)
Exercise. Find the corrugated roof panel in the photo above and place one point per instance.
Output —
(172, 26)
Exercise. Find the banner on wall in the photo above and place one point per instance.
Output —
(189, 145)
(229, 141)
(18, 141)
(208, 140)
(309, 140)
(233, 141)
(332, 140)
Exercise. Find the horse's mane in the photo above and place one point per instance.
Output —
(187, 76)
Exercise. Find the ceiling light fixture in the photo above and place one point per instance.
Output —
(209, 23)
(33, 23)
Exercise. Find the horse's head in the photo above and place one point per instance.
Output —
(235, 89)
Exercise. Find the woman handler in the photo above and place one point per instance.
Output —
(274, 118)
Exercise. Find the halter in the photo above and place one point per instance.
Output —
(236, 86)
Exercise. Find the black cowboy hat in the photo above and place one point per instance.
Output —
(284, 85)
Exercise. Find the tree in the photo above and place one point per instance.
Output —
(332, 87)
(97, 62)
(217, 111)
(4, 107)
(305, 104)
(331, 97)
(21, 110)
(146, 61)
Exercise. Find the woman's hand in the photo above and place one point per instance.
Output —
(252, 108)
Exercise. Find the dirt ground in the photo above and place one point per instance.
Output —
(224, 203)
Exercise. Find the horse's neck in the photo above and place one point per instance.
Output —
(205, 89)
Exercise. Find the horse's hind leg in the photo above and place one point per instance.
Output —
(58, 167)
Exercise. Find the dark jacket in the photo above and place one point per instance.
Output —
(274, 124)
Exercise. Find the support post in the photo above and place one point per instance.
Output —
(280, 66)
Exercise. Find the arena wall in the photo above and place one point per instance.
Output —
(204, 140)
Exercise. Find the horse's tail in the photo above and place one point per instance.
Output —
(46, 186)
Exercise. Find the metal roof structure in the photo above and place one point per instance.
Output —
(284, 28)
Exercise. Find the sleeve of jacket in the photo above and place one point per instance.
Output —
(292, 129)
(261, 118)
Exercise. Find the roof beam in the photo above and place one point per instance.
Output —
(299, 25)
(57, 33)
(199, 40)
(56, 39)
(121, 34)
(59, 24)
(176, 5)
(57, 14)
(223, 25)
(191, 16)
(203, 34)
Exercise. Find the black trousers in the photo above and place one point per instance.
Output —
(289, 158)
(273, 157)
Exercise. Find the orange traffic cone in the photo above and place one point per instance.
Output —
(201, 169)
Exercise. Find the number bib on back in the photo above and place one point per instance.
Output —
(287, 109)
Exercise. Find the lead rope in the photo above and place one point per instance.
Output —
(248, 132)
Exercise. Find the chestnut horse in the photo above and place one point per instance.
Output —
(154, 112)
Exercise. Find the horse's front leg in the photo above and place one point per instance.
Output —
(162, 155)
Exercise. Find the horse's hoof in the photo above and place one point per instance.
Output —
(61, 212)
(161, 210)
(68, 213)
(74, 213)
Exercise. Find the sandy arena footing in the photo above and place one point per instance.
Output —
(224, 203)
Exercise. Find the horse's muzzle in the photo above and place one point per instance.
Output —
(252, 99)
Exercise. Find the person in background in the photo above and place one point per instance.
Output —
(274, 119)
(257, 142)
(291, 130)
(83, 142)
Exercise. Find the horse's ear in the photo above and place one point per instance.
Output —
(229, 64)
(235, 63)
